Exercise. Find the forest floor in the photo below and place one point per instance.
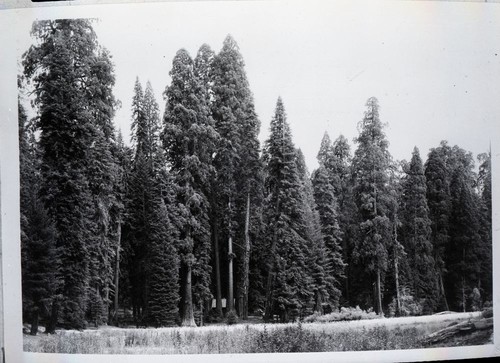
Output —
(252, 337)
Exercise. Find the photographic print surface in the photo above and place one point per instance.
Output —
(258, 178)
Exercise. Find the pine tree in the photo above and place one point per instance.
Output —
(415, 234)
(189, 140)
(370, 172)
(286, 291)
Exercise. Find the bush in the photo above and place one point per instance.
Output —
(213, 316)
(291, 339)
(409, 306)
(231, 317)
(345, 314)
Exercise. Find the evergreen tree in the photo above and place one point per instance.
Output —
(346, 211)
(327, 207)
(484, 188)
(102, 176)
(237, 161)
(439, 203)
(189, 140)
(415, 234)
(72, 78)
(286, 292)
(464, 249)
(373, 199)
(39, 260)
(151, 235)
(118, 215)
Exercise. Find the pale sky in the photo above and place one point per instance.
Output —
(434, 66)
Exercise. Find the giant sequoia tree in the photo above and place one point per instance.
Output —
(237, 161)
(373, 199)
(189, 139)
(72, 79)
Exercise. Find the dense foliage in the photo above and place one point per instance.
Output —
(194, 213)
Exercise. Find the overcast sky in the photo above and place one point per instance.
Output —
(434, 66)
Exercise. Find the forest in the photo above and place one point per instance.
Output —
(195, 222)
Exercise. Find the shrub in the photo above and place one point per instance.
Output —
(475, 298)
(345, 314)
(409, 306)
(231, 318)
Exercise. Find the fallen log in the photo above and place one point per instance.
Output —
(463, 328)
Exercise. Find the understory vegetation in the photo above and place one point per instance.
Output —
(381, 334)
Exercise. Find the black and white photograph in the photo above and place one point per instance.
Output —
(257, 177)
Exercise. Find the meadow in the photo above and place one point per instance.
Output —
(375, 334)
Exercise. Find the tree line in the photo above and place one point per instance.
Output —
(196, 211)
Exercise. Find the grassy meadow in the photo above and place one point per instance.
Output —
(376, 334)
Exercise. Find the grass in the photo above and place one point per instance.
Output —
(377, 334)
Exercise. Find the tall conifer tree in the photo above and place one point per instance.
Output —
(72, 77)
(415, 234)
(237, 161)
(189, 139)
(370, 172)
(286, 291)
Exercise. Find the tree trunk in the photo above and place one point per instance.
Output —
(230, 297)
(379, 294)
(106, 302)
(246, 262)
(318, 307)
(398, 298)
(188, 315)
(201, 312)
(396, 270)
(441, 287)
(463, 294)
(268, 315)
(117, 273)
(51, 326)
(215, 230)
(34, 321)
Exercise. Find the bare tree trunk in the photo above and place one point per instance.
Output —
(215, 230)
(246, 262)
(379, 294)
(117, 272)
(230, 297)
(188, 315)
(463, 294)
(268, 315)
(441, 287)
(34, 321)
(51, 327)
(201, 312)
(396, 270)
(398, 298)
(106, 301)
